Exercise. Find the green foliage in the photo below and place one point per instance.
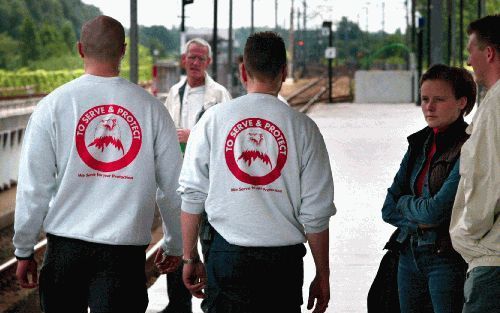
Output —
(42, 81)
(470, 13)
(41, 30)
(29, 42)
(158, 37)
(68, 36)
(54, 63)
(9, 56)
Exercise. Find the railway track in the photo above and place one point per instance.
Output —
(316, 91)
(15, 299)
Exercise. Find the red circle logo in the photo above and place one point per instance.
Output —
(108, 137)
(256, 151)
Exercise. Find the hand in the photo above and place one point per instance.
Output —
(183, 134)
(166, 263)
(427, 226)
(195, 279)
(319, 290)
(26, 268)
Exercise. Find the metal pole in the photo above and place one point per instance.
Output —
(276, 15)
(461, 37)
(330, 71)
(183, 28)
(134, 64)
(230, 48)
(214, 44)
(251, 17)
(291, 45)
(298, 54)
(428, 24)
(420, 56)
(383, 17)
(437, 32)
(480, 8)
(304, 34)
(450, 34)
(413, 28)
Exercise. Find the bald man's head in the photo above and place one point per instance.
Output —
(103, 39)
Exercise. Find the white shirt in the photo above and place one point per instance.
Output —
(91, 163)
(261, 172)
(191, 105)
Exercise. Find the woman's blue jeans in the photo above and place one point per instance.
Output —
(429, 281)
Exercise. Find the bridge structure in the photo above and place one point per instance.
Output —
(14, 116)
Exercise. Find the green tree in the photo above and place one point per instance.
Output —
(29, 42)
(52, 41)
(9, 56)
(68, 35)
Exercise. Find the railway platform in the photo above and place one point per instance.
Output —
(366, 143)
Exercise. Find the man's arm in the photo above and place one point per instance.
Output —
(194, 274)
(168, 162)
(194, 182)
(316, 209)
(319, 289)
(35, 188)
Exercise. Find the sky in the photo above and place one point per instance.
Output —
(200, 13)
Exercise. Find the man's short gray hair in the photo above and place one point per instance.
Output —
(198, 41)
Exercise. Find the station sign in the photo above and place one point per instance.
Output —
(330, 53)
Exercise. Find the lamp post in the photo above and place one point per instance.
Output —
(183, 18)
(327, 25)
(134, 54)
(420, 51)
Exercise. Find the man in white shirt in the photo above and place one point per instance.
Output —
(475, 221)
(90, 166)
(193, 95)
(186, 102)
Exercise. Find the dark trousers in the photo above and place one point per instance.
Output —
(254, 279)
(77, 274)
(482, 290)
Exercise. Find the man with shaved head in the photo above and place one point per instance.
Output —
(91, 166)
(261, 172)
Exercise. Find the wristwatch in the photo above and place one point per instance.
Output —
(193, 260)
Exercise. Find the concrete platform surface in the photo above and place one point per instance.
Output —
(366, 143)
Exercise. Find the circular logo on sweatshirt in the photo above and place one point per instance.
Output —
(256, 151)
(108, 137)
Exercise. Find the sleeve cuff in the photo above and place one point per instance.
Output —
(170, 251)
(317, 227)
(20, 258)
(192, 207)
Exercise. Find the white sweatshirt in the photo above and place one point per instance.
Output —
(261, 172)
(94, 153)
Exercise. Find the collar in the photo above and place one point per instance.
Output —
(450, 135)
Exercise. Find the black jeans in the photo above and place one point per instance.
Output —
(254, 279)
(78, 274)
